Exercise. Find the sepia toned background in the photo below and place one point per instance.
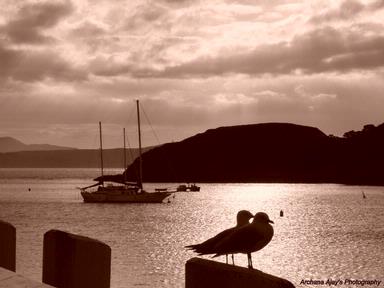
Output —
(194, 65)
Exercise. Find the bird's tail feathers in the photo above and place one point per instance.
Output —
(191, 247)
(203, 253)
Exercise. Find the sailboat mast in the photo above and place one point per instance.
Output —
(101, 155)
(140, 160)
(125, 157)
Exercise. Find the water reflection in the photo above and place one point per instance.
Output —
(327, 230)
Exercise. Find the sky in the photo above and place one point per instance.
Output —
(194, 65)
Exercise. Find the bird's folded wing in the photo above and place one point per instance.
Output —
(207, 246)
(241, 241)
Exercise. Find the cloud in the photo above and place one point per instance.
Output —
(88, 29)
(178, 2)
(109, 66)
(379, 4)
(322, 50)
(8, 59)
(347, 10)
(33, 18)
(93, 36)
(31, 66)
(145, 15)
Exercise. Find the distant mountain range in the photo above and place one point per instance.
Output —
(9, 144)
(79, 158)
(15, 154)
(269, 152)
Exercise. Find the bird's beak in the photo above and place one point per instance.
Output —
(270, 221)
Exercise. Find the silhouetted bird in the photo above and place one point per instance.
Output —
(207, 247)
(281, 213)
(247, 239)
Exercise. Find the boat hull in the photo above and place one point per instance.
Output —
(144, 197)
(189, 188)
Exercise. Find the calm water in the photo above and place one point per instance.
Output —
(328, 231)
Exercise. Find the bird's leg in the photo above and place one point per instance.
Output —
(250, 266)
(226, 258)
(233, 259)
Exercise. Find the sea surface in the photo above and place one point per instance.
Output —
(328, 231)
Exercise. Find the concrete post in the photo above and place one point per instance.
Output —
(7, 246)
(202, 273)
(73, 261)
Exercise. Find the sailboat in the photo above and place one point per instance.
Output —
(112, 189)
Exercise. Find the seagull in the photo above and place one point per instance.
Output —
(207, 246)
(247, 239)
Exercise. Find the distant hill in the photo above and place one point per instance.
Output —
(269, 152)
(9, 144)
(79, 158)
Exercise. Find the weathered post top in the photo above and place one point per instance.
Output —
(202, 273)
(73, 261)
(7, 246)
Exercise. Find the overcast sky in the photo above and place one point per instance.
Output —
(194, 65)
